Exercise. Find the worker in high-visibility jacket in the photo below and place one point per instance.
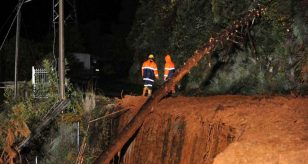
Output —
(169, 67)
(169, 70)
(149, 73)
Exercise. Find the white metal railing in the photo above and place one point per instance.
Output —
(40, 82)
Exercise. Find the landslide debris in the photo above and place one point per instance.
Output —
(219, 129)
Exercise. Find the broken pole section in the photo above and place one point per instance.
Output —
(228, 34)
(55, 110)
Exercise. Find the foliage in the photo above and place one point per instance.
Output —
(272, 52)
(20, 117)
(98, 134)
(94, 137)
(62, 146)
(13, 128)
(28, 111)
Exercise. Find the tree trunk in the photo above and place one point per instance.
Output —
(226, 35)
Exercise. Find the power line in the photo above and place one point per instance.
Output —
(7, 34)
(8, 18)
(54, 33)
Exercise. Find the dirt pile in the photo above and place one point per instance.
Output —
(219, 129)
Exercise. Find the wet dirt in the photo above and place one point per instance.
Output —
(219, 129)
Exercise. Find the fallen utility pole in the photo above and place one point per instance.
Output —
(50, 116)
(226, 35)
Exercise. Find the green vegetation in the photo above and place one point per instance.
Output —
(269, 59)
(21, 117)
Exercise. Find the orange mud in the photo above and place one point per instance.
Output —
(220, 129)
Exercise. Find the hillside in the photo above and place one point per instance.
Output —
(270, 56)
(219, 129)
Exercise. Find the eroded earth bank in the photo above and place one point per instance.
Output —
(219, 129)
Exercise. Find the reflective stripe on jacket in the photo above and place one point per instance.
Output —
(149, 70)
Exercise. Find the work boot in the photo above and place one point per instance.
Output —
(149, 92)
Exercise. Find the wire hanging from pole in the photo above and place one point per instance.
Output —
(8, 18)
(54, 34)
(7, 34)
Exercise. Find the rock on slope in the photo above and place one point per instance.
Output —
(219, 129)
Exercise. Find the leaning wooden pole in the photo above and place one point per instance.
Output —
(228, 34)
(20, 3)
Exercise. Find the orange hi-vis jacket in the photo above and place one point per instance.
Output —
(149, 72)
(169, 67)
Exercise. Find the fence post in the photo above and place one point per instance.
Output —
(33, 80)
(33, 75)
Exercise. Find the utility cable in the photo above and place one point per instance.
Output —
(7, 34)
(54, 43)
(54, 34)
(2, 27)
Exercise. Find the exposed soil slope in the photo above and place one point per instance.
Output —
(220, 129)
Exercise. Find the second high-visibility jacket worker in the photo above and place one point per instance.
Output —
(169, 68)
(149, 73)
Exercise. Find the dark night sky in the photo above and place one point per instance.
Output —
(37, 15)
(100, 23)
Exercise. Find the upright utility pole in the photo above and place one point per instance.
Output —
(61, 50)
(17, 48)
